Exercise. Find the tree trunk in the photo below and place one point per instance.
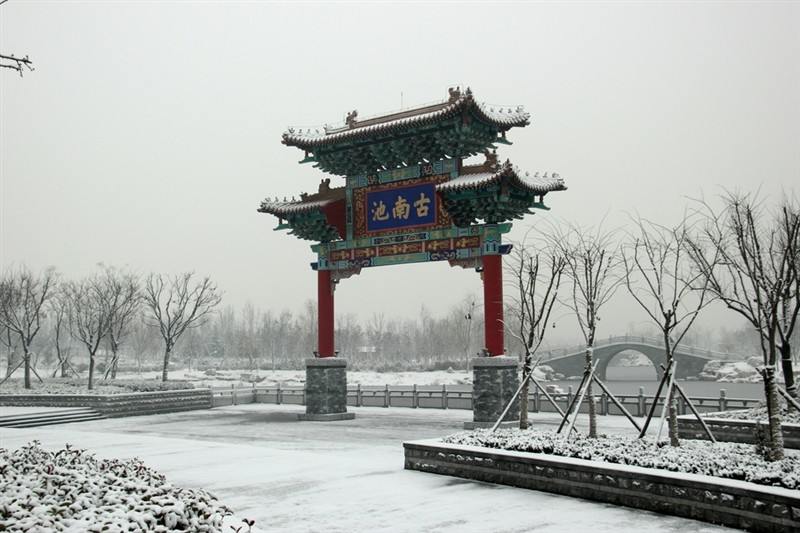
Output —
(672, 418)
(91, 371)
(27, 357)
(672, 405)
(11, 365)
(523, 394)
(165, 371)
(788, 369)
(590, 394)
(774, 413)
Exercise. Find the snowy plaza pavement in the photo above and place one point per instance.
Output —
(343, 476)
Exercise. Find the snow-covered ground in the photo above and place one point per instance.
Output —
(338, 476)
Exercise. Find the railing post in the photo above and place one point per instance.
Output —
(723, 400)
(536, 399)
(358, 395)
(603, 404)
(414, 397)
(569, 396)
(278, 394)
(386, 399)
(233, 394)
(641, 407)
(444, 396)
(254, 392)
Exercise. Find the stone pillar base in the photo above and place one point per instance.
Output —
(494, 382)
(326, 390)
(326, 418)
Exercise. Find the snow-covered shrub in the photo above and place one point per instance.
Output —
(789, 415)
(721, 459)
(70, 490)
(78, 386)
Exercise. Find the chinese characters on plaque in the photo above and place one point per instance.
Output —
(401, 207)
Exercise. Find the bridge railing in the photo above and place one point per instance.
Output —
(458, 397)
(552, 353)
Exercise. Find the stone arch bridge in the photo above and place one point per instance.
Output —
(571, 361)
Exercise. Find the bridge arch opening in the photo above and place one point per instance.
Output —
(631, 365)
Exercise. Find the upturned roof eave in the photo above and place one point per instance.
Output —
(408, 119)
(482, 180)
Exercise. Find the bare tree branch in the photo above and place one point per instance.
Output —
(592, 261)
(537, 277)
(176, 304)
(17, 63)
(658, 277)
(23, 296)
(747, 260)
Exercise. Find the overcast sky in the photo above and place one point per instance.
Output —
(150, 131)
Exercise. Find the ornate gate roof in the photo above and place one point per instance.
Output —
(457, 128)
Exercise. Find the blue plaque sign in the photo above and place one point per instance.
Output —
(412, 206)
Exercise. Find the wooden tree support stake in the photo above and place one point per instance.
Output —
(655, 400)
(667, 400)
(578, 399)
(516, 395)
(791, 400)
(617, 402)
(694, 411)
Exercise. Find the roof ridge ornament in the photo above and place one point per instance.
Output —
(351, 119)
(455, 94)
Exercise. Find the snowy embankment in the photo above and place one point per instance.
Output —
(735, 372)
(70, 490)
(222, 378)
(722, 459)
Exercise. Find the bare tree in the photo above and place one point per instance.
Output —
(537, 277)
(592, 259)
(788, 219)
(59, 319)
(463, 318)
(349, 335)
(176, 304)
(124, 295)
(89, 315)
(747, 261)
(23, 296)
(659, 277)
(10, 341)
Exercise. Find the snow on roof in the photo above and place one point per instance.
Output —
(501, 116)
(533, 183)
(291, 207)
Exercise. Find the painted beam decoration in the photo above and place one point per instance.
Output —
(408, 197)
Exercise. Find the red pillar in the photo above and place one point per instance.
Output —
(325, 313)
(493, 303)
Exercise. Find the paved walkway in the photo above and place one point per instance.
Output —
(338, 476)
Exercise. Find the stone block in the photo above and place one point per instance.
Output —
(495, 380)
(326, 390)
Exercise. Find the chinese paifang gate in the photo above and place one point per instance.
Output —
(408, 197)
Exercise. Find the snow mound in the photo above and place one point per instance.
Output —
(738, 372)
